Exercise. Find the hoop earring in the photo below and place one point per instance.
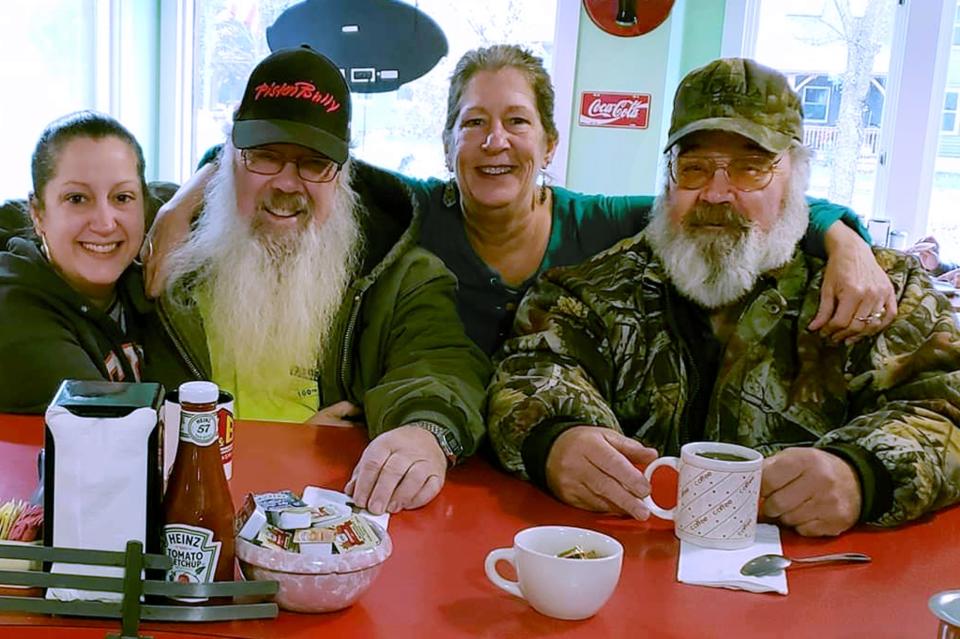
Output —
(146, 251)
(44, 248)
(542, 195)
(450, 194)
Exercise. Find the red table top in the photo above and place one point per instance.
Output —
(434, 584)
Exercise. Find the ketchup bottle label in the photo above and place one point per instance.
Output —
(198, 428)
(194, 553)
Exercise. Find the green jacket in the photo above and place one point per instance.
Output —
(600, 344)
(401, 349)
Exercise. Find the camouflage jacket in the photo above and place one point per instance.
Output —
(597, 344)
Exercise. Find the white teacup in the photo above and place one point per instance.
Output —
(717, 495)
(556, 586)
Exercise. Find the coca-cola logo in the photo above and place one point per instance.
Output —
(621, 109)
(615, 109)
(298, 90)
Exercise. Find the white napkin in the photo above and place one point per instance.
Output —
(314, 496)
(721, 568)
(100, 477)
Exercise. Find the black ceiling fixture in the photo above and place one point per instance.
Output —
(378, 44)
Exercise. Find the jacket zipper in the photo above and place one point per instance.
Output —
(347, 339)
(181, 350)
(685, 358)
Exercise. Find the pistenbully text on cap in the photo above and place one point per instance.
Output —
(295, 96)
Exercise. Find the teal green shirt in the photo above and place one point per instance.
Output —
(583, 225)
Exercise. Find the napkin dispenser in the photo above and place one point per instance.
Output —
(103, 474)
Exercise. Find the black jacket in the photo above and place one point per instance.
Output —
(49, 332)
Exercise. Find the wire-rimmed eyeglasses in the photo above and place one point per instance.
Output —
(310, 168)
(746, 172)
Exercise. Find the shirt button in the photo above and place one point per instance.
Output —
(84, 308)
(494, 281)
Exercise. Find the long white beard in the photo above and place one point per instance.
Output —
(270, 299)
(715, 269)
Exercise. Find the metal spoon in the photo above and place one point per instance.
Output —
(766, 565)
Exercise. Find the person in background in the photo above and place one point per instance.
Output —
(72, 304)
(498, 226)
(301, 290)
(927, 251)
(695, 330)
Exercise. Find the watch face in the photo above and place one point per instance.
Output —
(452, 443)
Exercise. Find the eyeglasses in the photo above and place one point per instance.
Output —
(310, 168)
(746, 173)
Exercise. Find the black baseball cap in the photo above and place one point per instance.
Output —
(295, 96)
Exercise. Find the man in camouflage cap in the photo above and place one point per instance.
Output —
(696, 330)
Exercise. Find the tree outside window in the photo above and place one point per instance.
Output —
(845, 43)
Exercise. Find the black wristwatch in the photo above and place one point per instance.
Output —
(449, 444)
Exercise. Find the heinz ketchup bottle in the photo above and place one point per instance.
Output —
(198, 532)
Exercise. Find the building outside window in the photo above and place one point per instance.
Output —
(851, 42)
(839, 68)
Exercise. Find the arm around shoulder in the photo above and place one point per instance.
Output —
(907, 384)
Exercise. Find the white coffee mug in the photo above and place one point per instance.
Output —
(556, 586)
(718, 493)
(171, 431)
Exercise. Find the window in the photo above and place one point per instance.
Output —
(942, 219)
(811, 40)
(49, 49)
(816, 104)
(914, 172)
(956, 28)
(813, 8)
(399, 130)
(951, 101)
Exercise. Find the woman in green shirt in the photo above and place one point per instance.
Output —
(497, 226)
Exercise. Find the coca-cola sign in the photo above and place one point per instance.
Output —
(631, 110)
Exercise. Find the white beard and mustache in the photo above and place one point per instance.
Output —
(270, 297)
(716, 268)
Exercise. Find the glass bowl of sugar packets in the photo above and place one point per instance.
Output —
(322, 550)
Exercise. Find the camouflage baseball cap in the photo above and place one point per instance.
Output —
(741, 96)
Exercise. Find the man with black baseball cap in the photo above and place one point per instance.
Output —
(301, 290)
(696, 330)
(296, 96)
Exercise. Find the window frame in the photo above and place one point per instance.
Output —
(913, 105)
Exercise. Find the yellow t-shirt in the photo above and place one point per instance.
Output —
(295, 400)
